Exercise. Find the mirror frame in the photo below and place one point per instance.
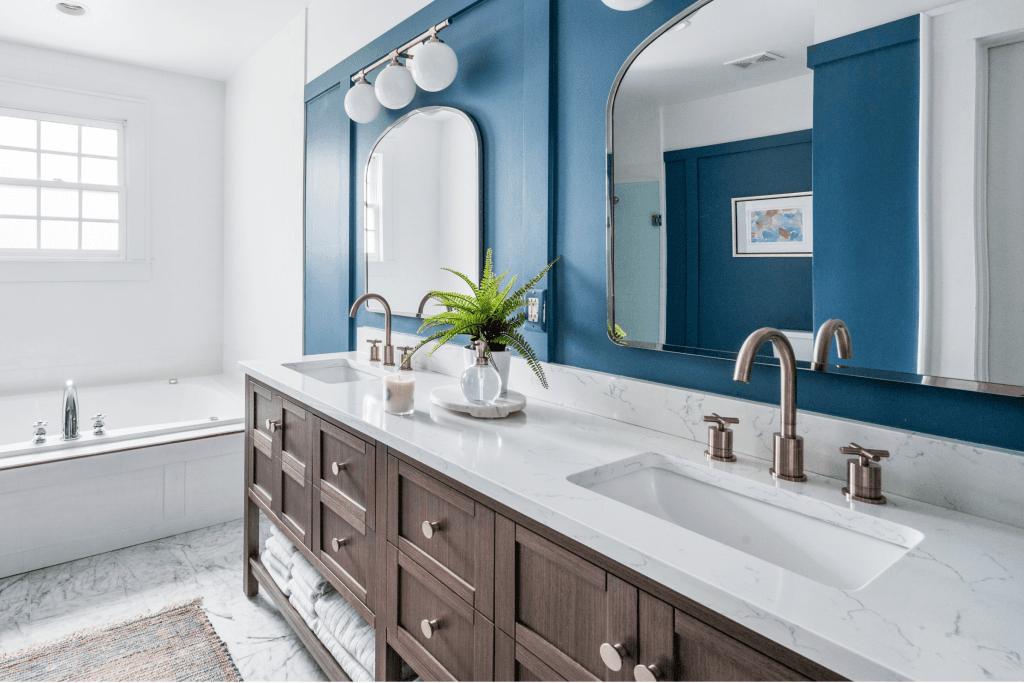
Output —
(867, 373)
(480, 200)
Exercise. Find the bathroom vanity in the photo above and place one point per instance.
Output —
(511, 549)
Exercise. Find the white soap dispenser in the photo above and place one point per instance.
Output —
(480, 382)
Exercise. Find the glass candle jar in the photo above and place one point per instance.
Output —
(399, 393)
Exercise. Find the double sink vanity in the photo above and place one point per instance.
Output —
(563, 544)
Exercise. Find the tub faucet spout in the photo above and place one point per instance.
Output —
(70, 411)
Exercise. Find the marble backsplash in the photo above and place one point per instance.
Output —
(977, 480)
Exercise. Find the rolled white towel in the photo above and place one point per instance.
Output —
(281, 581)
(269, 560)
(355, 670)
(286, 542)
(348, 627)
(308, 573)
(311, 595)
(275, 548)
(302, 606)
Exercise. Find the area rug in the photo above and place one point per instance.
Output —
(177, 643)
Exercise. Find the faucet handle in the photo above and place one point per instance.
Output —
(722, 421)
(865, 454)
(98, 423)
(406, 357)
(39, 431)
(374, 351)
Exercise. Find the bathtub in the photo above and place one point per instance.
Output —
(132, 410)
(171, 461)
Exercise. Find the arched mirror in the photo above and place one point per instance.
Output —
(422, 208)
(784, 163)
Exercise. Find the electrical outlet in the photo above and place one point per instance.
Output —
(536, 310)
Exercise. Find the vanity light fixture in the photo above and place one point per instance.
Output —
(361, 102)
(71, 8)
(433, 67)
(395, 87)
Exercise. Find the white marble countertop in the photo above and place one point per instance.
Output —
(950, 609)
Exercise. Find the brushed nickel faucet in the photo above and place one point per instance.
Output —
(70, 411)
(389, 350)
(423, 303)
(863, 480)
(789, 448)
(823, 343)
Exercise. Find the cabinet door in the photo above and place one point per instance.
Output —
(674, 646)
(295, 437)
(293, 503)
(562, 609)
(346, 545)
(513, 662)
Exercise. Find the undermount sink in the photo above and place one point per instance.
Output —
(827, 543)
(335, 371)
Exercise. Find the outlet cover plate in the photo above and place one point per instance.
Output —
(536, 311)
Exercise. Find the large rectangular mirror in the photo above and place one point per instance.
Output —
(780, 164)
(422, 209)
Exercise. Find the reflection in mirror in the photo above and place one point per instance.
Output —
(422, 208)
(780, 164)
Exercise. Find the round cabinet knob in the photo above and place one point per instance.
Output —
(428, 627)
(646, 674)
(273, 425)
(336, 543)
(430, 528)
(337, 467)
(612, 655)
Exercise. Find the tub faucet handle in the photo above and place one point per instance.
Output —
(39, 431)
(98, 423)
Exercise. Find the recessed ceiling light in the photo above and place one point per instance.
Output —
(72, 9)
(681, 25)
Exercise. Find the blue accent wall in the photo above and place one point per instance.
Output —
(572, 52)
(734, 296)
(866, 104)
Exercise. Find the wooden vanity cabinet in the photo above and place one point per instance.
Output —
(509, 598)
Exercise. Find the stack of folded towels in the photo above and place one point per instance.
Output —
(337, 624)
(278, 558)
(347, 636)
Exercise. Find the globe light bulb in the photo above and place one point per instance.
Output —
(626, 5)
(395, 87)
(434, 66)
(361, 103)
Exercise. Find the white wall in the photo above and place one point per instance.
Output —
(168, 326)
(263, 251)
(338, 29)
(460, 207)
(835, 18)
(740, 115)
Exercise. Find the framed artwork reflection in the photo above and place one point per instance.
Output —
(773, 225)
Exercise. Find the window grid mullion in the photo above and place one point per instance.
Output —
(39, 190)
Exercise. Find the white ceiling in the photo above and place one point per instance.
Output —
(689, 64)
(208, 38)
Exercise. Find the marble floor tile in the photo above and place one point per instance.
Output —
(47, 603)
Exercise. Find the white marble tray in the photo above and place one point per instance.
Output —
(451, 397)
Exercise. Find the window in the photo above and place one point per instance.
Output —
(375, 209)
(62, 187)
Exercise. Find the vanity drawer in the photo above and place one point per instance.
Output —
(296, 437)
(440, 634)
(447, 533)
(294, 501)
(260, 409)
(352, 560)
(344, 466)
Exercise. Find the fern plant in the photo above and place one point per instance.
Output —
(492, 314)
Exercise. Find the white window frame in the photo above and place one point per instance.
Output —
(374, 233)
(54, 103)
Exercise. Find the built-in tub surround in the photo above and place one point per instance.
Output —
(133, 411)
(164, 467)
(946, 608)
(978, 480)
